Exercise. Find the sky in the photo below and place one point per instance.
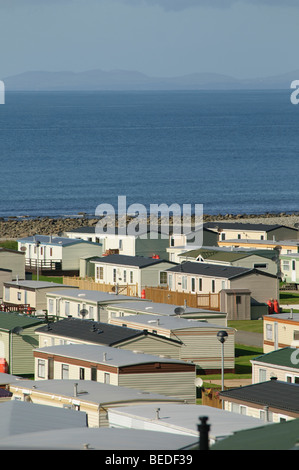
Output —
(160, 38)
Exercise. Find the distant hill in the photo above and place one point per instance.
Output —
(132, 80)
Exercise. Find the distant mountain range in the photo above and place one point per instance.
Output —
(131, 80)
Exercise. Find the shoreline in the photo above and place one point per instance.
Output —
(15, 227)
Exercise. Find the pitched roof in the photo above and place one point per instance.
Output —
(226, 253)
(214, 270)
(126, 260)
(11, 320)
(273, 393)
(215, 255)
(91, 331)
(277, 436)
(280, 357)
(246, 226)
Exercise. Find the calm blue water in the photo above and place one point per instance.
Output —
(64, 153)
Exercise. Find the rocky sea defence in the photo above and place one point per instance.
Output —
(12, 228)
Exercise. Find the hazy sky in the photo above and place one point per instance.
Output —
(245, 38)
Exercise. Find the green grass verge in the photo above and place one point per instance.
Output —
(58, 280)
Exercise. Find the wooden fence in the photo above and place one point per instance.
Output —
(210, 397)
(130, 290)
(163, 295)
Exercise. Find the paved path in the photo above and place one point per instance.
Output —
(249, 339)
(231, 382)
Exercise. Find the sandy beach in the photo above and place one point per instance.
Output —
(13, 228)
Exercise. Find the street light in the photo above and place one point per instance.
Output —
(37, 244)
(221, 336)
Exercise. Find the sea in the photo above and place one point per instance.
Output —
(66, 153)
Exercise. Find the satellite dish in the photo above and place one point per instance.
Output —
(17, 330)
(23, 248)
(198, 382)
(83, 312)
(179, 310)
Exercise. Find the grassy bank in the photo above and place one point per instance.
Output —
(243, 369)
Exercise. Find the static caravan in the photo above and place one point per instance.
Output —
(78, 331)
(79, 303)
(250, 231)
(56, 256)
(117, 367)
(87, 396)
(146, 307)
(199, 343)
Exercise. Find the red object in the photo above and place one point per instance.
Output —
(3, 365)
(276, 306)
(143, 294)
(270, 307)
(156, 257)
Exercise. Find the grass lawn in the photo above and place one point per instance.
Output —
(58, 280)
(243, 369)
(255, 326)
(288, 298)
(10, 245)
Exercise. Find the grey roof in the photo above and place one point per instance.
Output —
(99, 439)
(148, 306)
(273, 393)
(285, 316)
(184, 418)
(91, 331)
(246, 226)
(8, 378)
(18, 417)
(36, 284)
(250, 241)
(126, 260)
(50, 240)
(92, 392)
(114, 356)
(93, 296)
(94, 230)
(213, 270)
(169, 322)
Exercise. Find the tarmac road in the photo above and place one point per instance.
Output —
(249, 339)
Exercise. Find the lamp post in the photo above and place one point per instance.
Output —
(37, 243)
(222, 335)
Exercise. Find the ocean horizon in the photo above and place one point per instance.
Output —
(65, 153)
